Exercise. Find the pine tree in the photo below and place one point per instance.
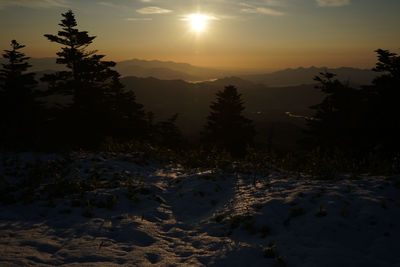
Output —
(360, 120)
(100, 107)
(166, 133)
(383, 99)
(337, 122)
(226, 127)
(128, 118)
(17, 100)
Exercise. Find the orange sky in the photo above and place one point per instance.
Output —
(253, 34)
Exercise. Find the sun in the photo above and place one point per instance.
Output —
(198, 22)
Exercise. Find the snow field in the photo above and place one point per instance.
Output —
(115, 209)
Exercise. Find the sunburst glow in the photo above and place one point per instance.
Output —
(198, 22)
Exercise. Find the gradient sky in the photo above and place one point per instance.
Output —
(256, 34)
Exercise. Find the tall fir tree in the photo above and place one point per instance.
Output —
(17, 100)
(338, 120)
(360, 120)
(383, 97)
(226, 126)
(100, 105)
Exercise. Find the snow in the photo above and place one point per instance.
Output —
(141, 213)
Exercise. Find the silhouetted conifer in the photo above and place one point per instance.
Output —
(17, 100)
(360, 120)
(383, 98)
(226, 127)
(100, 105)
(337, 122)
(166, 133)
(128, 117)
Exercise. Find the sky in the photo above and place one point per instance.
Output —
(237, 34)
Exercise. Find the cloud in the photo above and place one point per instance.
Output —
(262, 10)
(333, 3)
(274, 3)
(264, 3)
(108, 4)
(34, 3)
(138, 19)
(205, 17)
(153, 10)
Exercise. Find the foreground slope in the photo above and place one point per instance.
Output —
(113, 209)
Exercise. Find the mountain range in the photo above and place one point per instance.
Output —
(167, 70)
(166, 88)
(266, 106)
(292, 77)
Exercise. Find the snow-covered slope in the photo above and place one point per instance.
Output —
(113, 209)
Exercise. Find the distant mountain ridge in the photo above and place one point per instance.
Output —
(168, 70)
(264, 105)
(188, 72)
(301, 75)
(176, 93)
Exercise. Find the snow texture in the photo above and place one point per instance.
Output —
(149, 214)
